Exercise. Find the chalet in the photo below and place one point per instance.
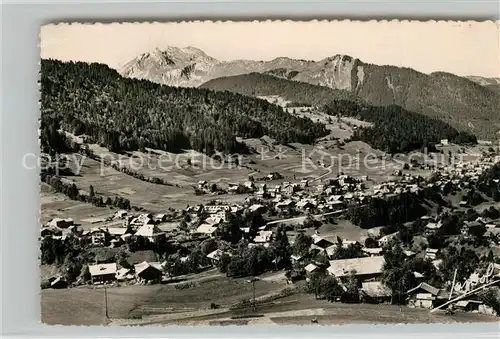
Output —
(50, 231)
(207, 229)
(469, 226)
(257, 208)
(58, 282)
(311, 268)
(363, 268)
(215, 256)
(469, 305)
(384, 241)
(320, 188)
(98, 236)
(287, 190)
(347, 243)
(320, 242)
(285, 204)
(431, 253)
(409, 254)
(272, 192)
(124, 274)
(330, 250)
(372, 251)
(431, 226)
(305, 204)
(263, 237)
(221, 214)
(335, 204)
(150, 232)
(160, 217)
(426, 296)
(295, 258)
(213, 220)
(249, 185)
(102, 273)
(304, 183)
(212, 209)
(60, 223)
(120, 214)
(375, 292)
(148, 271)
(118, 232)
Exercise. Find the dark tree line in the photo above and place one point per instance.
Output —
(129, 114)
(299, 93)
(379, 211)
(396, 130)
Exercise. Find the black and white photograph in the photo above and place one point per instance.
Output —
(269, 173)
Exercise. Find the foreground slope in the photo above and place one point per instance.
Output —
(128, 114)
(462, 102)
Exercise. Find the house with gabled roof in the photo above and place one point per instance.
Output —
(102, 273)
(148, 271)
(363, 268)
(150, 232)
(320, 242)
(426, 296)
(375, 292)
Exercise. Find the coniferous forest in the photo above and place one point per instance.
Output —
(396, 130)
(128, 114)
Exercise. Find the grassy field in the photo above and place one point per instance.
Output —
(85, 306)
(299, 309)
(54, 205)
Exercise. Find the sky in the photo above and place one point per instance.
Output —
(462, 48)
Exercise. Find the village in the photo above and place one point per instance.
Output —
(298, 210)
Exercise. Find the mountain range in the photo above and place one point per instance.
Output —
(469, 104)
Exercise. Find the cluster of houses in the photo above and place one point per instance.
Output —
(144, 272)
(114, 232)
(332, 195)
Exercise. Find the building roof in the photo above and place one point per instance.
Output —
(263, 236)
(361, 266)
(311, 268)
(102, 269)
(148, 230)
(426, 287)
(255, 207)
(388, 237)
(377, 250)
(331, 249)
(433, 225)
(139, 268)
(117, 230)
(213, 220)
(215, 254)
(206, 229)
(375, 289)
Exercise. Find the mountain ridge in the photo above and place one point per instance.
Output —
(460, 101)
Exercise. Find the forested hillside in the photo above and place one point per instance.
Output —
(128, 114)
(397, 130)
(455, 100)
(257, 84)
